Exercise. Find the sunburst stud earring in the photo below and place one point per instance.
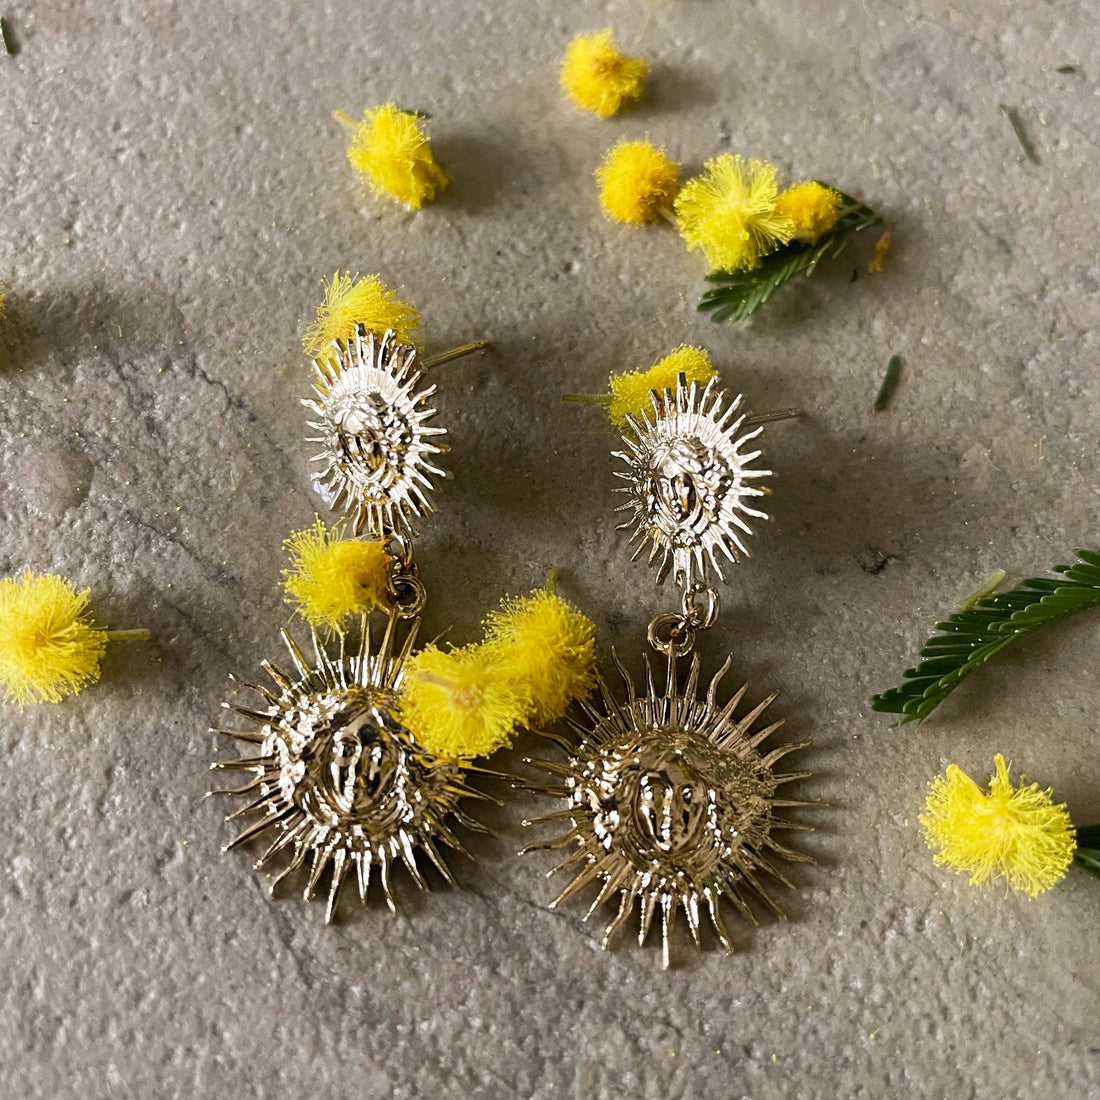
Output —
(378, 451)
(340, 785)
(671, 798)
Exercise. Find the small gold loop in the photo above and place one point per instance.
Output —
(671, 634)
(399, 546)
(700, 606)
(407, 594)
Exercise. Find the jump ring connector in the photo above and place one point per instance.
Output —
(671, 634)
(407, 594)
(700, 606)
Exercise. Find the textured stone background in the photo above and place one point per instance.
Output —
(174, 191)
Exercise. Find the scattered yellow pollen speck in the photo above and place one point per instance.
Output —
(729, 213)
(350, 302)
(547, 648)
(390, 150)
(882, 246)
(812, 207)
(630, 390)
(636, 181)
(48, 645)
(597, 78)
(458, 703)
(1019, 835)
(331, 577)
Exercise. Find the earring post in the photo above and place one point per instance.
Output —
(771, 417)
(454, 353)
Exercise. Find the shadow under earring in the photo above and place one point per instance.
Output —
(340, 785)
(671, 800)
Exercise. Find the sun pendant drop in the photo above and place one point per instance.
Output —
(670, 797)
(339, 782)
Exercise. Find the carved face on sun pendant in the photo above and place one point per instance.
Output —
(377, 448)
(345, 761)
(338, 780)
(689, 481)
(672, 792)
(671, 806)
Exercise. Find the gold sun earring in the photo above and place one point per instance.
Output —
(671, 800)
(340, 787)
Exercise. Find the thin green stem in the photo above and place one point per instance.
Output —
(128, 635)
(1088, 859)
(986, 590)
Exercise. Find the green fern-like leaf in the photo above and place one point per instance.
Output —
(739, 294)
(970, 638)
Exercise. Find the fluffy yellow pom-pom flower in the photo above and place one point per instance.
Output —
(729, 213)
(548, 648)
(1020, 835)
(390, 150)
(811, 207)
(332, 578)
(48, 645)
(598, 78)
(630, 390)
(459, 703)
(350, 302)
(636, 181)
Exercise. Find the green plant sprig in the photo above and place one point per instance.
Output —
(970, 638)
(737, 295)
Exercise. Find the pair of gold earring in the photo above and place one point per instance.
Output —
(668, 799)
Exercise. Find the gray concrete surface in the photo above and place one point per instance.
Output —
(174, 191)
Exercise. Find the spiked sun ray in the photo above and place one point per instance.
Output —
(376, 447)
(337, 781)
(671, 806)
(689, 481)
